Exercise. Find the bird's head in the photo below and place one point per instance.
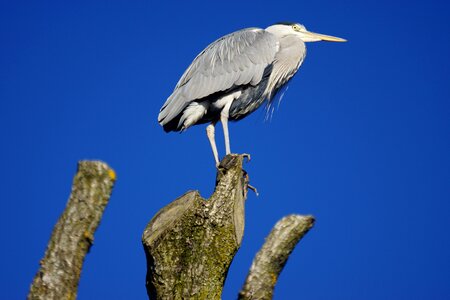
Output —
(286, 28)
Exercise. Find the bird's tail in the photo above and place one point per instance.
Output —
(170, 112)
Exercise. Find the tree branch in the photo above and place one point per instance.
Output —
(272, 257)
(190, 243)
(73, 235)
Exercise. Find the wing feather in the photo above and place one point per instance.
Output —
(236, 59)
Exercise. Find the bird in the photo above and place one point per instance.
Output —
(234, 76)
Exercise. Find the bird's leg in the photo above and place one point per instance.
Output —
(210, 130)
(224, 121)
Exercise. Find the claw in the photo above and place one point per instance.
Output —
(253, 189)
(247, 156)
(247, 184)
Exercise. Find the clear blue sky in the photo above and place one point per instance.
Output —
(361, 140)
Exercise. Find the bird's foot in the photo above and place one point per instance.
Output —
(247, 156)
(247, 184)
(251, 187)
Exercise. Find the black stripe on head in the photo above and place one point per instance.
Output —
(286, 23)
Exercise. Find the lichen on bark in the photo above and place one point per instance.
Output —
(272, 257)
(73, 235)
(191, 242)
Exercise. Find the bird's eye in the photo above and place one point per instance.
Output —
(296, 27)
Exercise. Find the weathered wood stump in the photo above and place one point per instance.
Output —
(191, 242)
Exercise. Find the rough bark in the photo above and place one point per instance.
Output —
(190, 243)
(73, 234)
(272, 257)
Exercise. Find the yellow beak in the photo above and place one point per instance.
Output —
(324, 37)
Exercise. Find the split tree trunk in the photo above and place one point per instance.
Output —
(191, 242)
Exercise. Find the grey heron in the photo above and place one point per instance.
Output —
(234, 76)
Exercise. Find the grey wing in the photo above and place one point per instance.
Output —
(235, 59)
